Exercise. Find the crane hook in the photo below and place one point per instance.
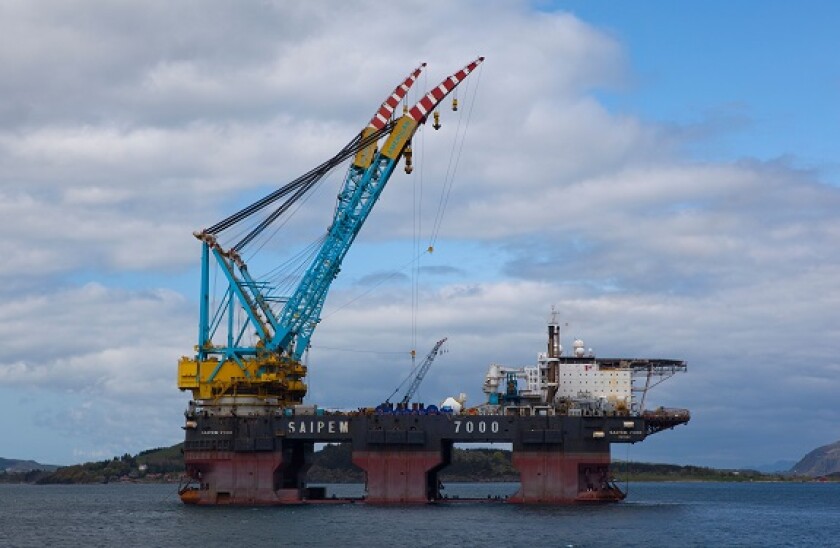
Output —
(408, 154)
(436, 124)
(455, 103)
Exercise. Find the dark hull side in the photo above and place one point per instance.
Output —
(263, 459)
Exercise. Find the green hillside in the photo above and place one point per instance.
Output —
(333, 465)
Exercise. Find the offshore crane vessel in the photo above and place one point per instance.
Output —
(249, 437)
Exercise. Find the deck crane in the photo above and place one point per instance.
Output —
(270, 369)
(421, 369)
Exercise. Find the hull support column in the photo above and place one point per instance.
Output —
(394, 475)
(551, 476)
(247, 478)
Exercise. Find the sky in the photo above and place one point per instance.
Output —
(664, 174)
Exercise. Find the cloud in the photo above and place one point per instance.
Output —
(98, 366)
(440, 270)
(115, 120)
(123, 129)
(94, 340)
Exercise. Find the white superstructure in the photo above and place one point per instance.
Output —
(565, 384)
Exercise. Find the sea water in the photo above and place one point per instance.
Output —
(654, 514)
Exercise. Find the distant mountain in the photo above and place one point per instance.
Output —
(17, 466)
(822, 461)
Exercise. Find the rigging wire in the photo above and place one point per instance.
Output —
(254, 230)
(228, 240)
(270, 236)
(450, 176)
(293, 263)
(286, 280)
(307, 179)
(414, 262)
(411, 374)
(417, 229)
(291, 201)
(372, 287)
(280, 192)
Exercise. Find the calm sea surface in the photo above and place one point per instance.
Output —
(655, 514)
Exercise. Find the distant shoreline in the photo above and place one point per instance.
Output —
(333, 465)
(18, 479)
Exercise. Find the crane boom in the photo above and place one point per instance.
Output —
(271, 367)
(421, 372)
(300, 315)
(243, 288)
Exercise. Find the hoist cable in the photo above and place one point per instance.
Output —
(373, 287)
(417, 235)
(448, 184)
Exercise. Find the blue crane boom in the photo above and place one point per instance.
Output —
(301, 314)
(272, 367)
(242, 287)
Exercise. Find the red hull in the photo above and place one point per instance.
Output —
(399, 476)
(393, 477)
(248, 479)
(552, 477)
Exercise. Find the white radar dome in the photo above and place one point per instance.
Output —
(579, 348)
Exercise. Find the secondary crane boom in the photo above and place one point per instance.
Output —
(422, 370)
(271, 367)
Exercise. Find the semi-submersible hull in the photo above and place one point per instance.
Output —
(249, 436)
(262, 459)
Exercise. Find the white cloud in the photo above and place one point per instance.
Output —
(92, 336)
(123, 129)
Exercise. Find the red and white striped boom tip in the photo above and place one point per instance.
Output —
(427, 104)
(387, 109)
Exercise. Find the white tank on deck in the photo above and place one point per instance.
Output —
(452, 403)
